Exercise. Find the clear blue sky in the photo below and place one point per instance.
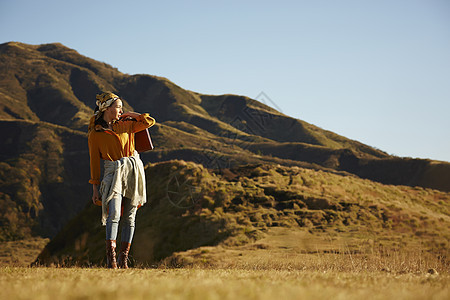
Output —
(374, 71)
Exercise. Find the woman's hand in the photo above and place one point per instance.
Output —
(130, 114)
(96, 195)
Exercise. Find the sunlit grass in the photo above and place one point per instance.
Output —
(231, 283)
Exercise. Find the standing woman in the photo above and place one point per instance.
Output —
(111, 139)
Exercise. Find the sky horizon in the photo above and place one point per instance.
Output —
(373, 71)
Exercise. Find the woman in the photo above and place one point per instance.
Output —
(111, 138)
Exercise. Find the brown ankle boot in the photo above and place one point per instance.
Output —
(123, 255)
(111, 254)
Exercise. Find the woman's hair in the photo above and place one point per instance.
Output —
(99, 119)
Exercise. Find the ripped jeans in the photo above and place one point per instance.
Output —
(128, 218)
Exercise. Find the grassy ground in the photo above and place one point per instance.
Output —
(285, 263)
(234, 283)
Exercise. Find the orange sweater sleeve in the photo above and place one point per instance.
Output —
(143, 121)
(94, 154)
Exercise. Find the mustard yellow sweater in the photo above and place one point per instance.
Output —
(114, 144)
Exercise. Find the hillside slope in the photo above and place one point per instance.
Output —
(191, 207)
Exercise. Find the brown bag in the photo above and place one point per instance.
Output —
(143, 141)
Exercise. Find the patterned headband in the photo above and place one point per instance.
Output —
(102, 106)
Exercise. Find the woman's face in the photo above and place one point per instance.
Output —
(115, 110)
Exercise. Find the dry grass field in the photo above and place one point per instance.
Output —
(285, 263)
(205, 283)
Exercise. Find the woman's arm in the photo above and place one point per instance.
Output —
(94, 155)
(95, 170)
(140, 122)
